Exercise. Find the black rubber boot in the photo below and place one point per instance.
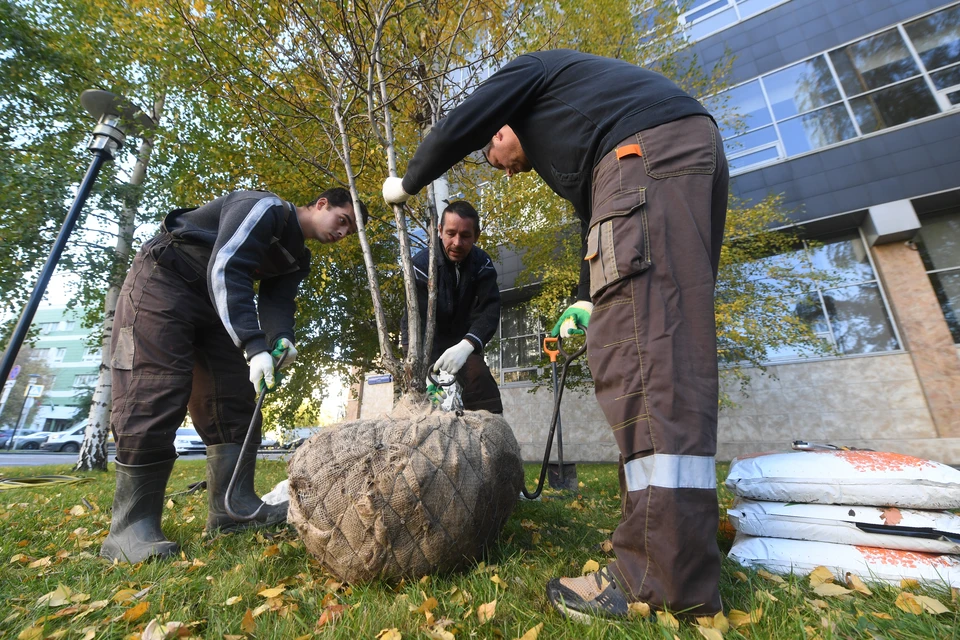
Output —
(221, 461)
(135, 533)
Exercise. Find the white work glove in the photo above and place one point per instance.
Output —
(454, 357)
(282, 345)
(261, 370)
(574, 320)
(393, 191)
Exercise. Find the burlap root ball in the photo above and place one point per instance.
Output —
(408, 494)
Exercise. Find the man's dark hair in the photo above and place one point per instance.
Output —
(465, 210)
(340, 197)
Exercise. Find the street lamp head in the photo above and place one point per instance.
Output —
(115, 115)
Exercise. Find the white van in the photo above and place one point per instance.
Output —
(69, 441)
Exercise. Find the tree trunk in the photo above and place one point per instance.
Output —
(93, 452)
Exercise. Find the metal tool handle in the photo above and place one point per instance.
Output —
(227, 497)
(557, 397)
(434, 382)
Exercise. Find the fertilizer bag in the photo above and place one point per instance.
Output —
(846, 477)
(887, 527)
(870, 563)
(406, 494)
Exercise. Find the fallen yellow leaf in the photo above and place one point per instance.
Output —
(638, 610)
(232, 600)
(762, 594)
(766, 575)
(123, 595)
(485, 612)
(77, 510)
(272, 593)
(389, 634)
(31, 633)
(532, 633)
(161, 631)
(740, 618)
(857, 585)
(247, 624)
(828, 589)
(741, 576)
(710, 633)
(907, 602)
(272, 550)
(495, 579)
(720, 623)
(881, 615)
(666, 619)
(819, 604)
(56, 598)
(931, 605)
(438, 633)
(909, 583)
(135, 611)
(590, 566)
(820, 575)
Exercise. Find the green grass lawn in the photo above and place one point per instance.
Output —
(265, 585)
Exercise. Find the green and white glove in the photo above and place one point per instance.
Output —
(284, 345)
(574, 320)
(435, 393)
(261, 372)
(453, 358)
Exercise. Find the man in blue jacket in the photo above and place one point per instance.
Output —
(468, 306)
(190, 333)
(642, 163)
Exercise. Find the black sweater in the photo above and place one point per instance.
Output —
(239, 238)
(568, 109)
(468, 299)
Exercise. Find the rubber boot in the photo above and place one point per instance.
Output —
(221, 461)
(135, 533)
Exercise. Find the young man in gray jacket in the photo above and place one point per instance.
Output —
(642, 163)
(188, 335)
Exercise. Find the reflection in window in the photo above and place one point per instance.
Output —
(873, 63)
(895, 105)
(816, 129)
(939, 245)
(848, 314)
(937, 37)
(800, 88)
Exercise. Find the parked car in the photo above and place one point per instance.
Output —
(188, 440)
(31, 440)
(68, 441)
(293, 438)
(5, 437)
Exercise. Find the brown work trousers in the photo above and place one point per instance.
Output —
(659, 205)
(170, 352)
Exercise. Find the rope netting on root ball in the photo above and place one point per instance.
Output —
(406, 494)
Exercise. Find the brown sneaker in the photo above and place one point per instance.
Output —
(595, 595)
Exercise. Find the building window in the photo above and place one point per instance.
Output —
(849, 312)
(92, 355)
(704, 17)
(902, 74)
(86, 380)
(939, 245)
(514, 353)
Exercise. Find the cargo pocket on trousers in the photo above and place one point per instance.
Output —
(123, 350)
(618, 243)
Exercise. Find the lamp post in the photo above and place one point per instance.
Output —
(114, 116)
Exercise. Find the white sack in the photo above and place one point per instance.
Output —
(839, 524)
(846, 477)
(869, 563)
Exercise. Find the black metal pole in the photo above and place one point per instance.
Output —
(559, 428)
(20, 333)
